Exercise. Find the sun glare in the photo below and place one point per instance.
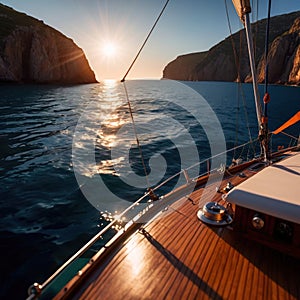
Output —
(109, 49)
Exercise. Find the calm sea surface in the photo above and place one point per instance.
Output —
(48, 132)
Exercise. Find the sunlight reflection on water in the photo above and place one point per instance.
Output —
(105, 141)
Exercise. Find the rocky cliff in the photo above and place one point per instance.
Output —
(224, 62)
(284, 57)
(32, 52)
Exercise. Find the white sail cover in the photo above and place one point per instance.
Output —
(242, 7)
(274, 191)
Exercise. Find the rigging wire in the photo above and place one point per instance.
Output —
(267, 51)
(236, 60)
(237, 66)
(255, 21)
(266, 99)
(145, 41)
(128, 100)
(136, 136)
(240, 89)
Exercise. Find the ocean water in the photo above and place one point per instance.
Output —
(69, 153)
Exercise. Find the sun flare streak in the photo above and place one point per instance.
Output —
(109, 49)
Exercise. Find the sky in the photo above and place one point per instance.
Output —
(111, 32)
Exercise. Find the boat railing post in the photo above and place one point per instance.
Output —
(186, 175)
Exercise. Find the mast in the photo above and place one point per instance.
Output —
(243, 10)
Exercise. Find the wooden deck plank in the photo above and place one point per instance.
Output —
(190, 260)
(184, 274)
(173, 247)
(202, 266)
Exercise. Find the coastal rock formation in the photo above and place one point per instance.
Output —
(223, 62)
(186, 64)
(32, 52)
(284, 57)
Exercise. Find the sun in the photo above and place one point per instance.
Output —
(109, 49)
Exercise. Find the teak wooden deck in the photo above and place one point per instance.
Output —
(178, 257)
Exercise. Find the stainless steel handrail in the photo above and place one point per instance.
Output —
(36, 289)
